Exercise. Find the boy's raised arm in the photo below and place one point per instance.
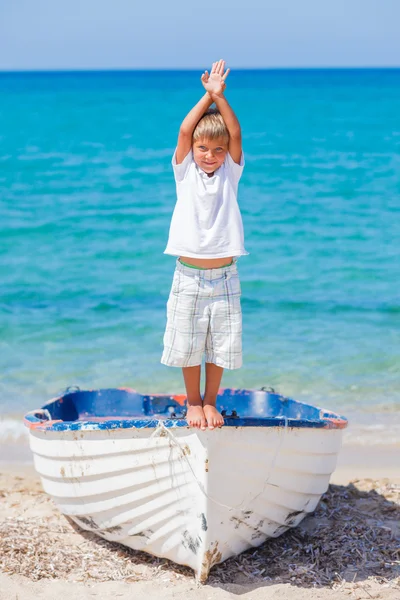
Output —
(188, 126)
(214, 83)
(233, 126)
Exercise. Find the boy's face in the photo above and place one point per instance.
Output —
(210, 154)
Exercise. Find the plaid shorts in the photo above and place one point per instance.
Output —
(204, 316)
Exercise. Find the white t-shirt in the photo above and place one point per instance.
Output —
(206, 222)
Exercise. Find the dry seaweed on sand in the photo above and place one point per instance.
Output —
(352, 536)
(39, 549)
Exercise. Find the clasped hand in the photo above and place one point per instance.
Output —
(214, 82)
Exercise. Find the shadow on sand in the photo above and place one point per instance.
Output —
(350, 537)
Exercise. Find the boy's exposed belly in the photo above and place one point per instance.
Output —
(207, 263)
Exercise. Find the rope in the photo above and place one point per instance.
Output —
(167, 432)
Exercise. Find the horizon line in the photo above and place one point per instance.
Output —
(196, 69)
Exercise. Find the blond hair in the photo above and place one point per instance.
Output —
(211, 126)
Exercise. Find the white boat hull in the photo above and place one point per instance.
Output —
(196, 498)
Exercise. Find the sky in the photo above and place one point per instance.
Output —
(183, 34)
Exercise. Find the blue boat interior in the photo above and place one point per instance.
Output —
(120, 408)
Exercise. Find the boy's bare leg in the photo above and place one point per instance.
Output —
(195, 413)
(213, 381)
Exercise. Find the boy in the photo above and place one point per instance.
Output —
(206, 234)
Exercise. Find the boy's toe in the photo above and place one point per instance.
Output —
(196, 418)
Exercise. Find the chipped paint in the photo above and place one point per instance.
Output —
(203, 522)
(193, 544)
(113, 529)
(291, 518)
(242, 408)
(237, 521)
(279, 530)
(257, 529)
(146, 533)
(87, 522)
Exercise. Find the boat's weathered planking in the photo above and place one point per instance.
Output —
(141, 477)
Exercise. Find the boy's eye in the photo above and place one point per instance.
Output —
(219, 149)
(202, 148)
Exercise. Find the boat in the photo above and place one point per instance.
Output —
(127, 467)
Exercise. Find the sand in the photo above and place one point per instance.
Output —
(347, 549)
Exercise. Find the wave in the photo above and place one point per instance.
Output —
(12, 430)
(378, 434)
(315, 307)
(13, 299)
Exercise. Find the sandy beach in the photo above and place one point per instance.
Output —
(346, 549)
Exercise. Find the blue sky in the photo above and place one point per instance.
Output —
(84, 34)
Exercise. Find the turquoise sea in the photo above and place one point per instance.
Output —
(86, 196)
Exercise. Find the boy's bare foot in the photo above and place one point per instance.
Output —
(195, 417)
(213, 416)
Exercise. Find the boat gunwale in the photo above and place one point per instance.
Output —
(40, 419)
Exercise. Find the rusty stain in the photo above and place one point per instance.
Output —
(186, 450)
(62, 472)
(206, 465)
(211, 558)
